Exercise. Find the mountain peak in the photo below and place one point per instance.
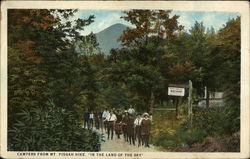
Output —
(108, 38)
(116, 26)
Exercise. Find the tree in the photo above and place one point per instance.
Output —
(43, 63)
(153, 30)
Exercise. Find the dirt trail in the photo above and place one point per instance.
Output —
(119, 145)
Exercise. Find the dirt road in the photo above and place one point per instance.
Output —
(119, 145)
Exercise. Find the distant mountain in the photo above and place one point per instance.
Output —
(108, 37)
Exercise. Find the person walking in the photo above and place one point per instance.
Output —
(145, 129)
(124, 125)
(86, 118)
(131, 130)
(111, 119)
(137, 124)
(96, 119)
(118, 124)
(91, 120)
(105, 114)
(101, 122)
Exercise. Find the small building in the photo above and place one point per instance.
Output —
(215, 100)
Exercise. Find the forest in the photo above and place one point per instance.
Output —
(50, 84)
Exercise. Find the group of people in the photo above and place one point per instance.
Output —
(134, 126)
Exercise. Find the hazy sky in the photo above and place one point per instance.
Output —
(106, 18)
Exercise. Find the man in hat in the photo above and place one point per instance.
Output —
(118, 124)
(86, 118)
(125, 123)
(104, 116)
(145, 129)
(131, 130)
(111, 119)
(137, 124)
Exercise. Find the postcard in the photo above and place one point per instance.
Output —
(124, 79)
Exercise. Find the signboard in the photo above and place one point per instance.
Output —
(176, 91)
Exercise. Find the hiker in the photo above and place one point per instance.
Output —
(145, 129)
(124, 125)
(96, 119)
(104, 116)
(137, 124)
(118, 124)
(111, 119)
(86, 118)
(91, 120)
(100, 120)
(131, 130)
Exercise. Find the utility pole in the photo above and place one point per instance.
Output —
(190, 107)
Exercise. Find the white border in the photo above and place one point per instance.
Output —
(241, 7)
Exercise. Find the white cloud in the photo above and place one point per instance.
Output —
(109, 20)
(185, 21)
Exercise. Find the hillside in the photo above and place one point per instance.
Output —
(108, 38)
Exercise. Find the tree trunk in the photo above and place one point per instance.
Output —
(152, 102)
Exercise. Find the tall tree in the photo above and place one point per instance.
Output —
(42, 57)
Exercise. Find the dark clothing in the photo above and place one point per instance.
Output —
(86, 123)
(110, 127)
(86, 119)
(145, 131)
(131, 131)
(119, 117)
(101, 123)
(138, 134)
(118, 125)
(97, 121)
(124, 128)
(91, 123)
(86, 115)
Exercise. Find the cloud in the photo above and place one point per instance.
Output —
(184, 20)
(106, 18)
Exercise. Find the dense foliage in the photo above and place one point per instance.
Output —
(48, 59)
(50, 128)
(43, 65)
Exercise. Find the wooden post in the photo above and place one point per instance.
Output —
(190, 107)
(207, 98)
(176, 107)
(152, 101)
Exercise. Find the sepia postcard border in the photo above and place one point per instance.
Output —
(233, 6)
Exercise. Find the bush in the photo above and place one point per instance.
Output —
(50, 128)
(180, 138)
(218, 122)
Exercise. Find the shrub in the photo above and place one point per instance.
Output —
(50, 128)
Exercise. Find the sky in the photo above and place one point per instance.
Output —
(106, 18)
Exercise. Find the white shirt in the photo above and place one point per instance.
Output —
(131, 111)
(111, 117)
(105, 114)
(137, 121)
(91, 116)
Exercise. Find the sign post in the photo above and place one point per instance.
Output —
(176, 90)
(179, 90)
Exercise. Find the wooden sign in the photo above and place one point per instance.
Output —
(176, 91)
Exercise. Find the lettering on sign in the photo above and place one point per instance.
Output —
(175, 91)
